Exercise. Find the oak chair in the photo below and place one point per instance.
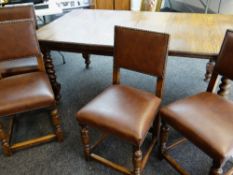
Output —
(18, 12)
(18, 66)
(205, 119)
(125, 111)
(24, 92)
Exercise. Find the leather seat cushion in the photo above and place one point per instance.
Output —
(18, 66)
(124, 111)
(25, 92)
(206, 120)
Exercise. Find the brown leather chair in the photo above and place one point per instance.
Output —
(18, 66)
(28, 91)
(125, 111)
(18, 12)
(205, 119)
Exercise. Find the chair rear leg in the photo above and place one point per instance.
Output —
(5, 145)
(163, 139)
(156, 127)
(137, 160)
(57, 124)
(216, 168)
(86, 141)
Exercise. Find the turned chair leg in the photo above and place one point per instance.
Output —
(5, 145)
(163, 139)
(85, 140)
(209, 69)
(86, 57)
(57, 124)
(216, 168)
(137, 160)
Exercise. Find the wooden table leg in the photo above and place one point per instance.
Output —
(209, 69)
(224, 87)
(52, 74)
(86, 57)
(219, 6)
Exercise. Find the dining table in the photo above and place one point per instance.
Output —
(91, 31)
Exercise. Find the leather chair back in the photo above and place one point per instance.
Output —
(224, 64)
(18, 40)
(141, 51)
(18, 12)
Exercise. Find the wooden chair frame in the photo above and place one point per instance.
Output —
(9, 148)
(5, 138)
(139, 161)
(217, 165)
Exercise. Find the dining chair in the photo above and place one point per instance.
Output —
(205, 119)
(18, 66)
(125, 111)
(151, 5)
(18, 12)
(24, 92)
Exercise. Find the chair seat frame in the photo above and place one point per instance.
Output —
(219, 69)
(139, 161)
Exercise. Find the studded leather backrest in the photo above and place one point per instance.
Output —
(18, 40)
(18, 12)
(224, 64)
(141, 51)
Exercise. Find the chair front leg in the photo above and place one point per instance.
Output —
(86, 141)
(5, 145)
(57, 124)
(163, 139)
(137, 160)
(216, 168)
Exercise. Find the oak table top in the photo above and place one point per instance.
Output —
(92, 31)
